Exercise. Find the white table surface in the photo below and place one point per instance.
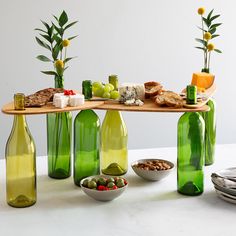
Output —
(146, 208)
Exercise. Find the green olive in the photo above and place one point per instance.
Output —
(94, 179)
(110, 184)
(120, 183)
(111, 180)
(102, 181)
(85, 183)
(92, 184)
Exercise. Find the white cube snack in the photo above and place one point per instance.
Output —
(61, 101)
(76, 100)
(57, 95)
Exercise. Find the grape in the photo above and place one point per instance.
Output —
(106, 95)
(98, 92)
(108, 88)
(115, 94)
(97, 85)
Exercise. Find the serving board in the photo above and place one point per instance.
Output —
(149, 106)
(49, 108)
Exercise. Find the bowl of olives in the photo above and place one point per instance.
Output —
(103, 187)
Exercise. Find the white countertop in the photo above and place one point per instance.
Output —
(146, 208)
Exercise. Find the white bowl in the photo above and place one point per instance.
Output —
(152, 175)
(107, 195)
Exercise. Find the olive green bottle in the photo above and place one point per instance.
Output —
(114, 137)
(20, 161)
(190, 159)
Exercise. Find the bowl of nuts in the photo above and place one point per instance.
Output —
(103, 187)
(152, 169)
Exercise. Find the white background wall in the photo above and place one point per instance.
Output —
(140, 40)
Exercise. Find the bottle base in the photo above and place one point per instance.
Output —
(59, 174)
(21, 201)
(190, 189)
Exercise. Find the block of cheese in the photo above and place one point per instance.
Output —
(76, 100)
(129, 91)
(203, 80)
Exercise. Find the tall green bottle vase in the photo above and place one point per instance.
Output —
(210, 133)
(190, 154)
(59, 134)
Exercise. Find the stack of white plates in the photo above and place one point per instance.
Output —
(225, 184)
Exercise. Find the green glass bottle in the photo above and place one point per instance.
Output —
(86, 145)
(114, 137)
(190, 162)
(59, 127)
(210, 132)
(20, 156)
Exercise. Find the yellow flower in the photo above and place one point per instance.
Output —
(210, 47)
(201, 10)
(207, 36)
(59, 64)
(65, 43)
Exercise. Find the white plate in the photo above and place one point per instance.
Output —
(225, 198)
(225, 194)
(229, 172)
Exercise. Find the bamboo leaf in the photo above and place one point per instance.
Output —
(56, 51)
(57, 39)
(215, 25)
(60, 31)
(69, 25)
(209, 15)
(50, 31)
(212, 31)
(41, 43)
(215, 35)
(49, 72)
(217, 50)
(68, 59)
(214, 17)
(46, 37)
(63, 19)
(43, 58)
(201, 41)
(45, 24)
(72, 37)
(206, 22)
(202, 29)
(201, 48)
(56, 18)
(41, 30)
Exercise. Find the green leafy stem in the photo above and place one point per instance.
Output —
(51, 38)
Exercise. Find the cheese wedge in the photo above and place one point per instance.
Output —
(203, 80)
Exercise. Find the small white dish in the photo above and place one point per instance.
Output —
(106, 195)
(152, 175)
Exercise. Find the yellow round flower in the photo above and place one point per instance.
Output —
(201, 11)
(65, 43)
(59, 64)
(207, 36)
(210, 47)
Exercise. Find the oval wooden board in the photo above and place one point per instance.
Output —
(149, 106)
(9, 108)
